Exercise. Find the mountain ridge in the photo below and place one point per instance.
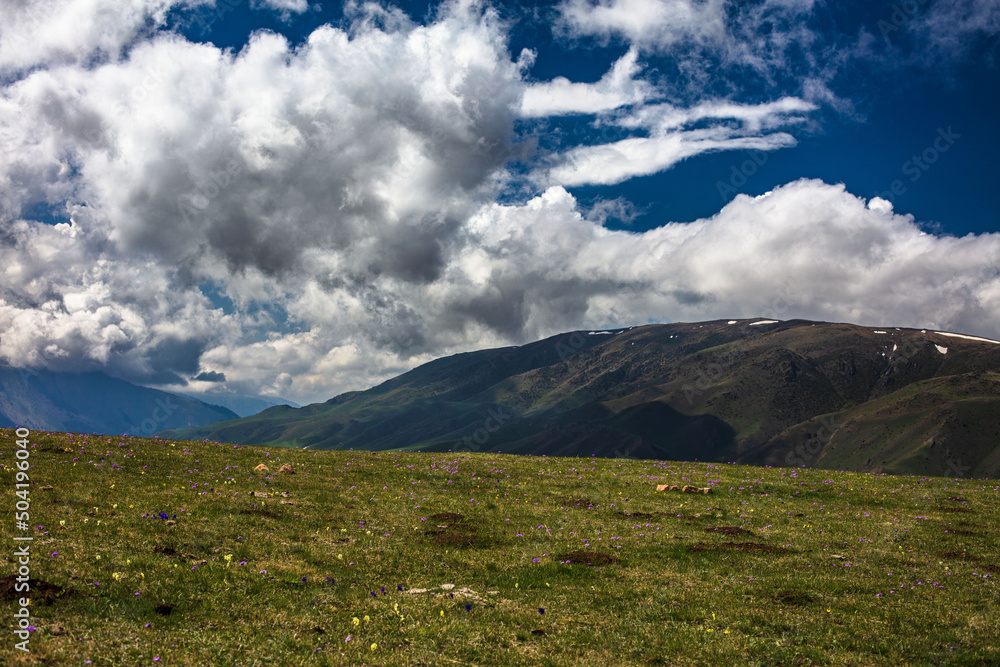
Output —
(749, 391)
(94, 402)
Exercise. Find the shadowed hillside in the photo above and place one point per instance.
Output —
(752, 391)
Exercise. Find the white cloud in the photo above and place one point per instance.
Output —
(617, 88)
(339, 197)
(668, 143)
(67, 31)
(296, 6)
(656, 24)
(947, 31)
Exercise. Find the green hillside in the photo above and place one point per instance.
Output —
(748, 392)
(163, 552)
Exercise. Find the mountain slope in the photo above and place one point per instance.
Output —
(747, 391)
(95, 403)
(242, 406)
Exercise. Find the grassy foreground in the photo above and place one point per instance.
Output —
(156, 552)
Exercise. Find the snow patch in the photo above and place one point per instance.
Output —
(753, 324)
(879, 332)
(893, 347)
(599, 333)
(732, 321)
(942, 349)
(955, 335)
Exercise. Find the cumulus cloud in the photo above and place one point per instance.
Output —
(72, 31)
(304, 220)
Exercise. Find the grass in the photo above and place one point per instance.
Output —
(449, 559)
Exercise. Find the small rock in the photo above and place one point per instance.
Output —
(286, 468)
(261, 468)
(169, 522)
(447, 587)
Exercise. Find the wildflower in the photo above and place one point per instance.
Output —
(468, 607)
(367, 618)
(541, 611)
(356, 620)
(303, 579)
(374, 646)
(442, 613)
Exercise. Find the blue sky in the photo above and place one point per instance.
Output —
(898, 102)
(297, 199)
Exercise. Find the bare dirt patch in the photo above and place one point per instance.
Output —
(636, 515)
(447, 516)
(41, 590)
(745, 547)
(729, 530)
(589, 558)
(963, 555)
(793, 597)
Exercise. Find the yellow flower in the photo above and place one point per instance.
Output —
(367, 619)
(442, 613)
(62, 522)
(374, 646)
(356, 621)
(340, 556)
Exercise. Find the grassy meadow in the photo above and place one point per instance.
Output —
(163, 552)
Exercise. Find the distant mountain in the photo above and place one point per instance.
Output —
(243, 406)
(751, 391)
(94, 402)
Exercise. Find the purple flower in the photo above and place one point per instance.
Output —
(468, 607)
(541, 611)
(303, 579)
